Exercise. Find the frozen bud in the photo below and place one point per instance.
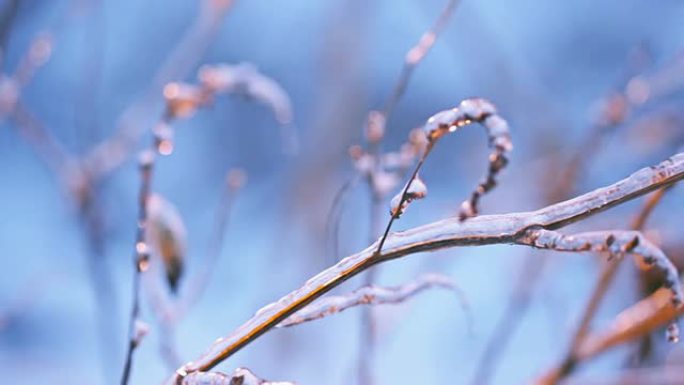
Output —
(140, 330)
(477, 108)
(167, 236)
(163, 138)
(182, 99)
(416, 190)
(236, 178)
(499, 133)
(440, 123)
(375, 128)
(218, 78)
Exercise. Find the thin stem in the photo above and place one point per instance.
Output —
(141, 254)
(416, 54)
(140, 258)
(404, 195)
(334, 215)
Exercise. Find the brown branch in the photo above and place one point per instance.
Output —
(451, 232)
(634, 322)
(373, 295)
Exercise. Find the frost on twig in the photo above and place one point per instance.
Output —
(244, 79)
(616, 244)
(374, 295)
(417, 190)
(481, 111)
(184, 99)
(240, 376)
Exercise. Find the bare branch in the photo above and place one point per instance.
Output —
(617, 244)
(451, 232)
(141, 256)
(570, 360)
(374, 295)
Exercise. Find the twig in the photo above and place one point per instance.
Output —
(142, 252)
(634, 322)
(109, 154)
(615, 109)
(468, 111)
(374, 295)
(335, 214)
(375, 132)
(482, 230)
(570, 361)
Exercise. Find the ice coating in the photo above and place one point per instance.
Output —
(416, 190)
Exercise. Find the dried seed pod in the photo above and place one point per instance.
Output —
(416, 190)
(167, 236)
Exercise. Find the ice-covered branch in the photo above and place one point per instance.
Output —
(241, 376)
(451, 232)
(373, 295)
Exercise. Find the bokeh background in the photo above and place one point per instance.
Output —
(546, 65)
